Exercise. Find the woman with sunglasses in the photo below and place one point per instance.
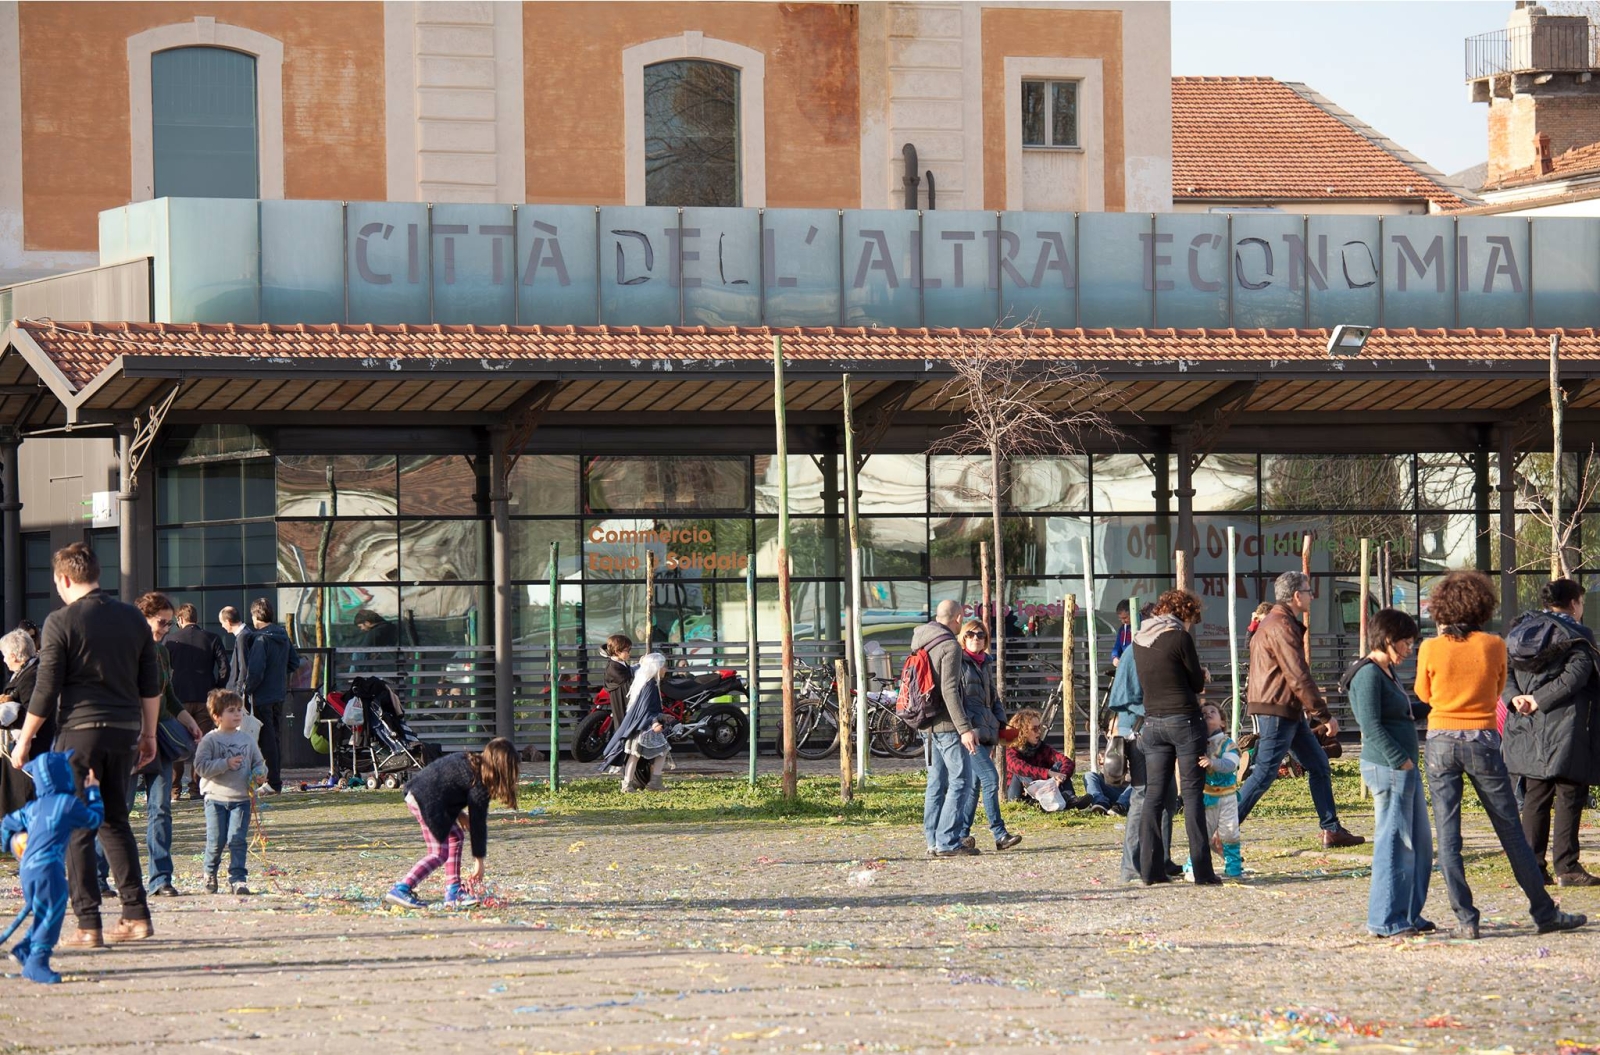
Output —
(987, 718)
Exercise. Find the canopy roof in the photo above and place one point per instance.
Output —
(56, 373)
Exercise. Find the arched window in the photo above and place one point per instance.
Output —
(691, 130)
(203, 123)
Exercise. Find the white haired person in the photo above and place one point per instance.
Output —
(640, 746)
(22, 660)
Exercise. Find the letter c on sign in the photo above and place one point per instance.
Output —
(363, 268)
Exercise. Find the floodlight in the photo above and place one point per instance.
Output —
(1348, 340)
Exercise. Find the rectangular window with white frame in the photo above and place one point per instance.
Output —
(1050, 114)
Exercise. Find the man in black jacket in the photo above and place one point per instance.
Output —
(199, 665)
(99, 659)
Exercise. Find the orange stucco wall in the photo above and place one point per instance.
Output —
(76, 153)
(1056, 34)
(572, 55)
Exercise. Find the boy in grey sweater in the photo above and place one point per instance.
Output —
(229, 764)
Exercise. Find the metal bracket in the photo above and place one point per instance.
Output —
(875, 416)
(522, 421)
(1532, 416)
(144, 436)
(1212, 416)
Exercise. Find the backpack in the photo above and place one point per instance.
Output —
(915, 705)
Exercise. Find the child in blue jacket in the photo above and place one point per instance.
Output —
(38, 834)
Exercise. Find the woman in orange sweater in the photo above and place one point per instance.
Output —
(1461, 674)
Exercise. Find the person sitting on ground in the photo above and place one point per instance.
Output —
(1221, 763)
(1029, 758)
(618, 675)
(985, 715)
(639, 747)
(1108, 788)
(1552, 730)
(1461, 674)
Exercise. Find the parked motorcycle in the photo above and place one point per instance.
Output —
(717, 730)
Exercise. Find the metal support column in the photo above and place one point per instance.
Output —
(500, 521)
(11, 525)
(1480, 505)
(125, 514)
(1508, 525)
(1161, 463)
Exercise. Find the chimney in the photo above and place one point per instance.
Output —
(1538, 76)
(1541, 146)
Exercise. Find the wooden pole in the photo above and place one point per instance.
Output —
(1558, 557)
(555, 667)
(649, 601)
(1305, 569)
(791, 759)
(1366, 589)
(858, 641)
(1185, 576)
(983, 578)
(846, 720)
(1069, 686)
(752, 662)
(1089, 636)
(1233, 630)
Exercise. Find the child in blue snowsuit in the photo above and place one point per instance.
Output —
(38, 833)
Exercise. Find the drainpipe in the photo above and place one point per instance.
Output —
(909, 153)
(930, 190)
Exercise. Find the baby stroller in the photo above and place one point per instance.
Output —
(382, 743)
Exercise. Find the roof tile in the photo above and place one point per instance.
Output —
(1254, 138)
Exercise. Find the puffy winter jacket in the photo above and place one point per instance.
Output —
(1561, 739)
(978, 698)
(272, 659)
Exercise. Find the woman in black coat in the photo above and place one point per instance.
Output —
(22, 659)
(618, 676)
(1552, 735)
(1174, 732)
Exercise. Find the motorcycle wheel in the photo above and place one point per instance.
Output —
(727, 733)
(816, 729)
(892, 738)
(589, 739)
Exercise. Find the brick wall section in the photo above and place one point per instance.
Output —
(1571, 118)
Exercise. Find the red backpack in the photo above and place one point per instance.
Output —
(916, 705)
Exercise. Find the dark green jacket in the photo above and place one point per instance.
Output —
(1383, 711)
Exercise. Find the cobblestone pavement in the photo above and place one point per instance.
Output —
(608, 931)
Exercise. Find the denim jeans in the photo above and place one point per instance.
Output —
(1181, 740)
(227, 822)
(949, 773)
(1477, 757)
(1402, 849)
(158, 831)
(1278, 737)
(985, 778)
(1106, 795)
(1136, 803)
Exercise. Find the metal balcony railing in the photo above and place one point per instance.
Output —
(1560, 47)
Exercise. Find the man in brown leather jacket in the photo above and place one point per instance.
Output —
(1281, 695)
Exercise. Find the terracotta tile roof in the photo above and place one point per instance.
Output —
(1579, 161)
(83, 350)
(1254, 138)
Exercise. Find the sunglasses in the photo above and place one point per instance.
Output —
(976, 636)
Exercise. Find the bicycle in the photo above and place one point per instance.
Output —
(817, 720)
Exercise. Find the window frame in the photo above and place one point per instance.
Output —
(1049, 84)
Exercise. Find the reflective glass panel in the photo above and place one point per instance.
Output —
(892, 546)
(1565, 275)
(530, 549)
(669, 483)
(894, 483)
(1064, 114)
(1033, 106)
(1189, 268)
(721, 267)
(1116, 291)
(1446, 542)
(1419, 271)
(338, 551)
(618, 548)
(1037, 263)
(960, 483)
(443, 550)
(1225, 482)
(1123, 483)
(1494, 278)
(1054, 484)
(336, 485)
(1449, 481)
(1342, 270)
(203, 123)
(556, 266)
(813, 551)
(545, 485)
(1268, 270)
(691, 134)
(1336, 481)
(882, 268)
(808, 483)
(438, 485)
(474, 275)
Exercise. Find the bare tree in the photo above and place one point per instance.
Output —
(1548, 538)
(1014, 404)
